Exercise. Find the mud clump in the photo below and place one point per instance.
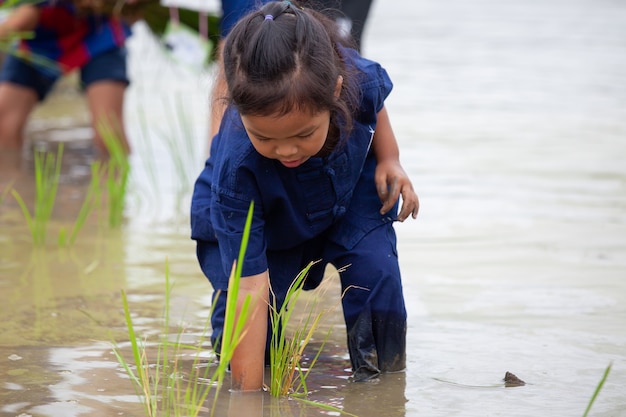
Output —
(511, 380)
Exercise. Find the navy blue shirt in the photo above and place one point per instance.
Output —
(292, 205)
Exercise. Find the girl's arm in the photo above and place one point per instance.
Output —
(391, 180)
(23, 18)
(248, 362)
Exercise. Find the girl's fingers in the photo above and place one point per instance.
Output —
(389, 195)
(410, 205)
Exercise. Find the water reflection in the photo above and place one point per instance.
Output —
(385, 394)
(66, 381)
(56, 297)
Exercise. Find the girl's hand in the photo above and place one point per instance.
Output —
(391, 182)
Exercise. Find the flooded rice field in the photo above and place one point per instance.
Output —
(511, 117)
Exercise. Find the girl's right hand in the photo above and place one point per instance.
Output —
(391, 183)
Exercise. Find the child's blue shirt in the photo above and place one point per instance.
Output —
(292, 205)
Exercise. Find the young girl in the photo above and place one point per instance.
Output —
(68, 35)
(307, 138)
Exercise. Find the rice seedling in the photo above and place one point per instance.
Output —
(286, 353)
(47, 174)
(160, 385)
(164, 392)
(598, 388)
(235, 318)
(161, 388)
(288, 375)
(118, 170)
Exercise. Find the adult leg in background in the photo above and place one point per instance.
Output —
(106, 102)
(357, 11)
(16, 104)
(350, 15)
(21, 88)
(105, 82)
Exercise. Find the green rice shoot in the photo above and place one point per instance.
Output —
(118, 170)
(598, 389)
(47, 175)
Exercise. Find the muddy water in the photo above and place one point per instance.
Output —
(511, 117)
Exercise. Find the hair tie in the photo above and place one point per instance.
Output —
(269, 17)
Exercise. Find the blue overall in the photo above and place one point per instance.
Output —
(326, 209)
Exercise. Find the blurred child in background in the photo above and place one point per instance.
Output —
(66, 36)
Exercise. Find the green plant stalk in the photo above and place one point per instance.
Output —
(93, 195)
(7, 47)
(233, 327)
(20, 35)
(159, 393)
(165, 387)
(47, 174)
(7, 4)
(25, 212)
(181, 399)
(165, 380)
(118, 168)
(195, 393)
(177, 397)
(302, 387)
(164, 347)
(165, 394)
(598, 388)
(140, 380)
(286, 355)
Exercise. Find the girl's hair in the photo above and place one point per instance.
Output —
(282, 58)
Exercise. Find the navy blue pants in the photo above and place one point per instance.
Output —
(374, 313)
(107, 66)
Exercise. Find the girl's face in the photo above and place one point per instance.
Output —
(292, 138)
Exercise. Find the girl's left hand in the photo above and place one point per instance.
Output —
(391, 182)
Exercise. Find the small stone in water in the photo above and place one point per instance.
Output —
(14, 357)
